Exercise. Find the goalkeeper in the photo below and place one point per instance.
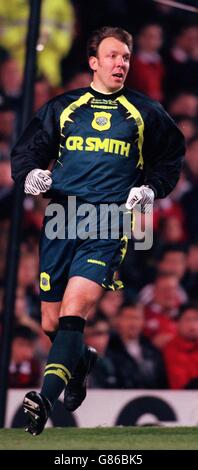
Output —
(110, 145)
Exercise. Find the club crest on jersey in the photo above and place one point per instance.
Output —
(101, 121)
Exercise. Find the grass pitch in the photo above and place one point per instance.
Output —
(139, 438)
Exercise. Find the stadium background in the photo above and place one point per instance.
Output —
(165, 67)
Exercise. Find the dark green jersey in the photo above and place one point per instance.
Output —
(102, 145)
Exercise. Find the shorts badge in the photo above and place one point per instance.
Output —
(45, 281)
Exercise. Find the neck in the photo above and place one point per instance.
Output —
(100, 90)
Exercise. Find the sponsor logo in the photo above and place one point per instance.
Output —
(95, 144)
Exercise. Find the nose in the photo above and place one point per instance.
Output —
(120, 61)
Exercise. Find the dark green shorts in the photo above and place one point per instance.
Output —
(95, 259)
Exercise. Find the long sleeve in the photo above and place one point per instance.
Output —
(164, 150)
(37, 146)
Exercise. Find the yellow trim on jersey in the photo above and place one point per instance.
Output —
(65, 115)
(123, 250)
(135, 114)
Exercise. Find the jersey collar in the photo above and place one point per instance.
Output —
(106, 95)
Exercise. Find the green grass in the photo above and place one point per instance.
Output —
(139, 438)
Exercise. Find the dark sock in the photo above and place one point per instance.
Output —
(82, 361)
(63, 357)
(51, 335)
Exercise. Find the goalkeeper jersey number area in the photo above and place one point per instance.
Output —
(102, 145)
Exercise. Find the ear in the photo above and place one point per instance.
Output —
(93, 63)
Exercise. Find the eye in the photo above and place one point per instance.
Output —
(111, 55)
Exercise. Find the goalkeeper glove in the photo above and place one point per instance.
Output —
(37, 181)
(143, 196)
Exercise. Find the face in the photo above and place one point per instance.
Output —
(28, 270)
(11, 76)
(192, 261)
(187, 127)
(7, 122)
(188, 325)
(22, 350)
(174, 262)
(185, 103)
(166, 292)
(130, 323)
(192, 157)
(111, 65)
(111, 302)
(188, 39)
(41, 94)
(98, 336)
(5, 174)
(150, 39)
(173, 230)
(80, 80)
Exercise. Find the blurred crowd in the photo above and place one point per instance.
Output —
(147, 333)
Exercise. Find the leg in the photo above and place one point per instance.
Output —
(80, 296)
(55, 260)
(50, 314)
(76, 390)
(36, 406)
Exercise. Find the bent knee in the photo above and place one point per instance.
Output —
(49, 324)
(80, 306)
(50, 314)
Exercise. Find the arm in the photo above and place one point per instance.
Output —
(37, 146)
(163, 152)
